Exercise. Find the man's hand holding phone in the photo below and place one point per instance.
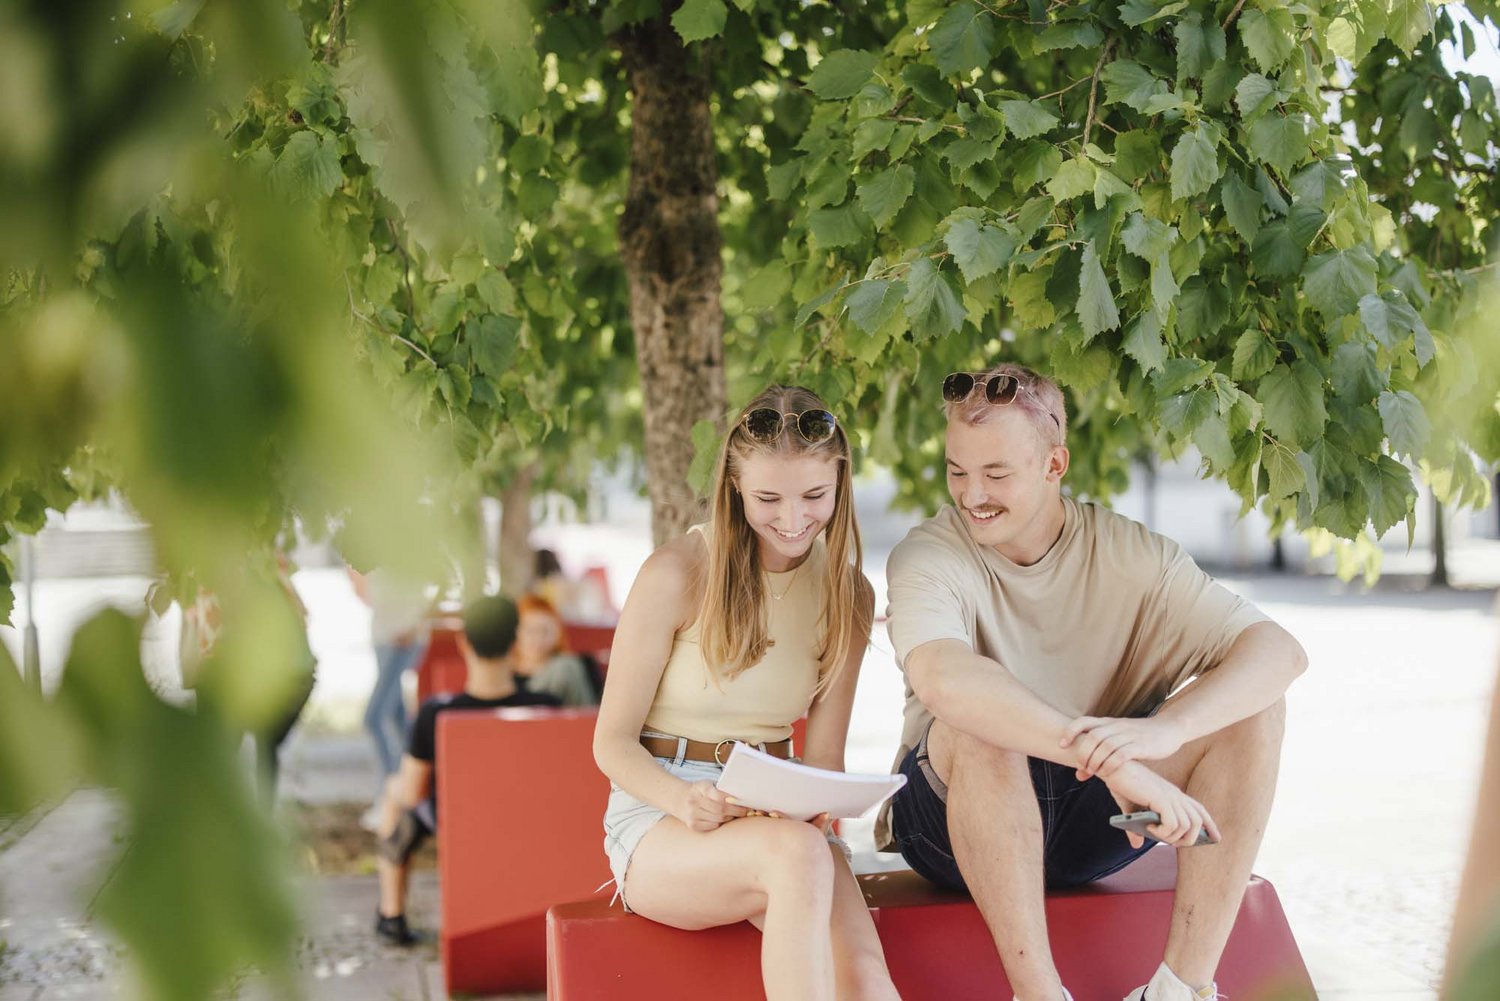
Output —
(1180, 819)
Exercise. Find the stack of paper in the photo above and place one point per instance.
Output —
(801, 792)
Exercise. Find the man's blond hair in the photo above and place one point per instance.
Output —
(1037, 396)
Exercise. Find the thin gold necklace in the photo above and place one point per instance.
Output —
(790, 581)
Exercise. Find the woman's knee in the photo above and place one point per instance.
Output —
(796, 853)
(862, 973)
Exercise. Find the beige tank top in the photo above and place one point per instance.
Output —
(759, 704)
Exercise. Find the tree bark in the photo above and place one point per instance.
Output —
(516, 559)
(670, 244)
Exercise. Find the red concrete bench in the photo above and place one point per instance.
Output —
(520, 828)
(443, 671)
(1107, 939)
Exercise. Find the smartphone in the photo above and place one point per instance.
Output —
(1138, 822)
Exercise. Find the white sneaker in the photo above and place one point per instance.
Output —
(370, 819)
(1165, 986)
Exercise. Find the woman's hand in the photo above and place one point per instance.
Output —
(704, 808)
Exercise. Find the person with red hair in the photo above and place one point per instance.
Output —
(542, 661)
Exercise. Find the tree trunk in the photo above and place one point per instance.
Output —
(1439, 546)
(670, 244)
(516, 558)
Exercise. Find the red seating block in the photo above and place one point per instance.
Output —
(1107, 939)
(520, 828)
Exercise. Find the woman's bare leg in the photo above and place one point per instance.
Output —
(776, 872)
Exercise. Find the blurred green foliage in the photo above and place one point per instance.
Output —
(353, 263)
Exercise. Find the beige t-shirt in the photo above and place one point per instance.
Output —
(1110, 622)
(760, 704)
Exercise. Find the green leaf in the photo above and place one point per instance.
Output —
(874, 301)
(1286, 473)
(1179, 374)
(1137, 153)
(810, 307)
(1356, 372)
(928, 84)
(1181, 414)
(1070, 35)
(1242, 207)
(963, 38)
(768, 287)
(841, 74)
(1268, 35)
(1409, 21)
(1390, 317)
(1146, 238)
(495, 291)
(1075, 177)
(1336, 281)
(1389, 489)
(1280, 140)
(1028, 297)
(1195, 163)
(308, 167)
(1096, 303)
(932, 304)
(1027, 119)
(979, 251)
(1212, 438)
(1254, 355)
(1144, 343)
(1276, 253)
(1199, 45)
(705, 456)
(840, 227)
(1293, 401)
(1255, 95)
(1405, 421)
(1131, 84)
(494, 344)
(696, 20)
(1036, 163)
(883, 195)
(870, 136)
(965, 153)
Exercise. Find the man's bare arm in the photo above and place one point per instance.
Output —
(1260, 665)
(980, 697)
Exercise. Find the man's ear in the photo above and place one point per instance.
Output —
(1057, 463)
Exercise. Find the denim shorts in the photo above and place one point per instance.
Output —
(627, 819)
(1078, 845)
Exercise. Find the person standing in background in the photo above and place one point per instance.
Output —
(399, 634)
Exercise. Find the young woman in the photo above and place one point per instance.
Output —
(541, 660)
(732, 633)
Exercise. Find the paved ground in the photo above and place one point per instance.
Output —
(1364, 845)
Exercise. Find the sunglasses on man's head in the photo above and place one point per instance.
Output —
(765, 425)
(998, 389)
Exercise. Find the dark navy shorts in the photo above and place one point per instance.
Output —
(1078, 845)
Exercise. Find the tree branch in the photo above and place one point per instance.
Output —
(1088, 123)
(1232, 15)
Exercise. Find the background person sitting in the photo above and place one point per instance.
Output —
(409, 807)
(542, 661)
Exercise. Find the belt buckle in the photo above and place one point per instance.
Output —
(719, 749)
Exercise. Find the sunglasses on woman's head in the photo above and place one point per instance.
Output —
(765, 425)
(998, 389)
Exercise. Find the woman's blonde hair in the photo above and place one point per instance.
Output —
(733, 622)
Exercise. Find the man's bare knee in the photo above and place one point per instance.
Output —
(952, 751)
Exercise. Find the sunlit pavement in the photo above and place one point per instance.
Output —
(1364, 844)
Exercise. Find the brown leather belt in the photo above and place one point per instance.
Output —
(707, 750)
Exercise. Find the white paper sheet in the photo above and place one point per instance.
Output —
(801, 792)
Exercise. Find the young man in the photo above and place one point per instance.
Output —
(409, 808)
(1044, 643)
